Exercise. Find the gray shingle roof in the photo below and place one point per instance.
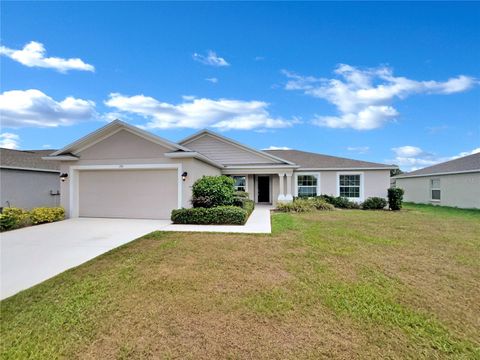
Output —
(27, 159)
(308, 160)
(466, 163)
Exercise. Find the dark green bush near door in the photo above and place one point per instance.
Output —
(211, 191)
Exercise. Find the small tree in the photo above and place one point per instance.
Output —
(395, 172)
(212, 191)
(395, 198)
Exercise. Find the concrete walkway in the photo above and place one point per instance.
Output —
(34, 254)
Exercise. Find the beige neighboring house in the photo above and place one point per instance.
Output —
(28, 181)
(122, 171)
(452, 183)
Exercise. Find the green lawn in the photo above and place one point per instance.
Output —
(342, 284)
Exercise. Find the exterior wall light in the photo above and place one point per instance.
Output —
(184, 176)
(63, 177)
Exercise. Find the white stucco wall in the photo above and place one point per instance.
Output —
(458, 190)
(125, 148)
(28, 189)
(374, 183)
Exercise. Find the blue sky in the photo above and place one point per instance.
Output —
(395, 83)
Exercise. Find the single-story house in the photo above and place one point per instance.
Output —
(28, 181)
(452, 183)
(123, 171)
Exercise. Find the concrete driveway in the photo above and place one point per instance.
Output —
(34, 254)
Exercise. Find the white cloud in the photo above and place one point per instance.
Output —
(9, 140)
(466, 153)
(213, 80)
(33, 55)
(408, 151)
(211, 59)
(412, 158)
(359, 149)
(46, 146)
(223, 114)
(277, 148)
(363, 97)
(21, 108)
(371, 117)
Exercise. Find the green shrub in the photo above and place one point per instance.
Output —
(395, 198)
(46, 215)
(220, 215)
(340, 202)
(13, 218)
(241, 194)
(248, 206)
(298, 205)
(239, 198)
(321, 204)
(212, 191)
(374, 203)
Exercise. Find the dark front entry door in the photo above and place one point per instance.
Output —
(263, 189)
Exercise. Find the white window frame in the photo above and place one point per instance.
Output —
(246, 180)
(316, 174)
(435, 188)
(362, 184)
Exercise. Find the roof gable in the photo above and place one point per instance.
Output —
(309, 160)
(110, 129)
(123, 144)
(227, 151)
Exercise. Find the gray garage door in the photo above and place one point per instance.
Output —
(136, 194)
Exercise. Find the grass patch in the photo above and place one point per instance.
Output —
(339, 284)
(273, 302)
(442, 210)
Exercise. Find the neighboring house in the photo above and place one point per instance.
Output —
(123, 171)
(452, 183)
(28, 181)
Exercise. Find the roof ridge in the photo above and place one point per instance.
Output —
(329, 156)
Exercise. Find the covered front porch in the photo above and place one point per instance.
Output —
(263, 185)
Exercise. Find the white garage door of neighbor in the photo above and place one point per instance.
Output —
(136, 194)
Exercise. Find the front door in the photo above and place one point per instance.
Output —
(263, 189)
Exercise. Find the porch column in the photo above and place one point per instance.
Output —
(281, 192)
(288, 196)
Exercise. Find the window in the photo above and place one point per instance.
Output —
(307, 185)
(240, 183)
(435, 189)
(349, 186)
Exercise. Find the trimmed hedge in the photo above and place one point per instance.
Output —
(395, 198)
(14, 218)
(220, 215)
(46, 215)
(211, 191)
(374, 203)
(248, 206)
